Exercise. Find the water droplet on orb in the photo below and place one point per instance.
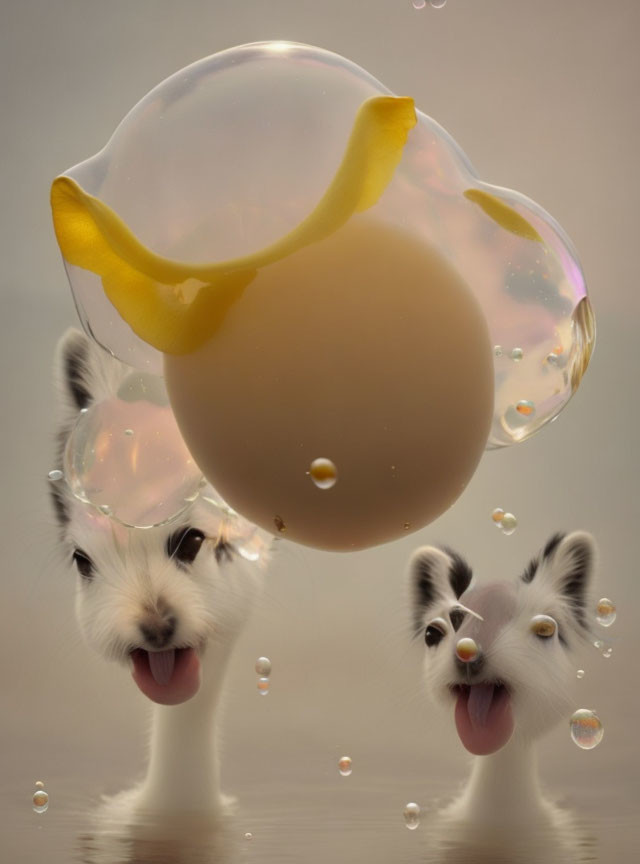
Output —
(323, 473)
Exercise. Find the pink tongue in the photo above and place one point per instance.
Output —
(161, 664)
(483, 718)
(167, 677)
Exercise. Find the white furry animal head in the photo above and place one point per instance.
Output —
(158, 598)
(501, 651)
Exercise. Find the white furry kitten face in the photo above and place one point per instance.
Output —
(157, 598)
(177, 586)
(501, 652)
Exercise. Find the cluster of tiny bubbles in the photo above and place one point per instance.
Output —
(40, 798)
(506, 522)
(517, 354)
(344, 766)
(605, 612)
(586, 729)
(607, 652)
(323, 473)
(55, 475)
(412, 815)
(580, 673)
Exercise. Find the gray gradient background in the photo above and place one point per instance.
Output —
(543, 97)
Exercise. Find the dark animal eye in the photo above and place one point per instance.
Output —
(184, 545)
(435, 632)
(456, 616)
(84, 564)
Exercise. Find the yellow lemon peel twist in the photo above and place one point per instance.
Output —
(145, 288)
(506, 217)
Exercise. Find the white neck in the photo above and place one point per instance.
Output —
(184, 771)
(503, 788)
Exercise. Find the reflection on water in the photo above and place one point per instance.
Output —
(282, 834)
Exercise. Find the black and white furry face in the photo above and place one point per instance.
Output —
(176, 588)
(525, 658)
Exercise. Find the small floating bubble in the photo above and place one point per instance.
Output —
(467, 649)
(55, 475)
(406, 526)
(509, 523)
(497, 350)
(605, 612)
(552, 359)
(586, 729)
(39, 784)
(104, 508)
(598, 644)
(607, 652)
(526, 408)
(412, 815)
(437, 4)
(497, 516)
(323, 473)
(344, 766)
(40, 801)
(263, 686)
(263, 667)
(517, 354)
(248, 836)
(278, 521)
(418, 4)
(128, 432)
(580, 673)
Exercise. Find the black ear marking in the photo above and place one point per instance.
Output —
(530, 570)
(552, 544)
(570, 559)
(435, 574)
(75, 361)
(460, 574)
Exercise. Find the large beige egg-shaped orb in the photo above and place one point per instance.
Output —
(366, 349)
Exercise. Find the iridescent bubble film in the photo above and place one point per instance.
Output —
(187, 172)
(126, 457)
(586, 729)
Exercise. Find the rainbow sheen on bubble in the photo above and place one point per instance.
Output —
(233, 153)
(126, 457)
(586, 729)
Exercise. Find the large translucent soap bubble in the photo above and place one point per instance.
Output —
(320, 274)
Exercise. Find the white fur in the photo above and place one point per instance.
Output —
(503, 788)
(211, 601)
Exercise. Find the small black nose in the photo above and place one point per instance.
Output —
(471, 669)
(158, 629)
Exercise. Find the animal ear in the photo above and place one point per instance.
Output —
(436, 574)
(567, 566)
(85, 372)
(72, 370)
